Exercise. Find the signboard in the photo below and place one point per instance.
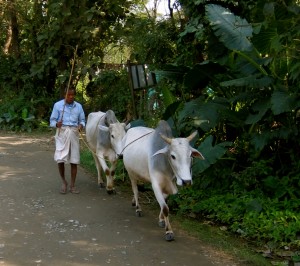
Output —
(141, 77)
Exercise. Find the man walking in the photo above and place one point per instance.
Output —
(68, 118)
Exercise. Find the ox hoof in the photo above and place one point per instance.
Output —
(101, 185)
(162, 224)
(169, 237)
(111, 191)
(138, 214)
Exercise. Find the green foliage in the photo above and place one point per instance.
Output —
(233, 31)
(157, 44)
(87, 160)
(109, 90)
(211, 154)
(20, 109)
(245, 111)
(20, 114)
(275, 226)
(248, 215)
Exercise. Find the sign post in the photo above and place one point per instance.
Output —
(139, 78)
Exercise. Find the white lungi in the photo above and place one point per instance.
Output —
(67, 145)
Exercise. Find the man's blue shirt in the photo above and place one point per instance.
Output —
(73, 114)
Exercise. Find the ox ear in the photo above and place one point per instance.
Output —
(103, 128)
(161, 151)
(127, 126)
(190, 137)
(197, 154)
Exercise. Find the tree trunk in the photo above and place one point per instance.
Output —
(12, 46)
(170, 9)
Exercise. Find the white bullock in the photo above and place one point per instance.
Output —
(154, 156)
(104, 135)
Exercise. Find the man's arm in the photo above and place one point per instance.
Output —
(81, 118)
(54, 116)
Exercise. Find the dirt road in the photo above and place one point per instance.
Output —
(39, 226)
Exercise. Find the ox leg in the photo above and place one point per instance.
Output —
(135, 200)
(163, 218)
(110, 177)
(98, 166)
(109, 180)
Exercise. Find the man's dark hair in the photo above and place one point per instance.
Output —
(70, 89)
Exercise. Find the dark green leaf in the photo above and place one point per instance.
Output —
(260, 108)
(211, 154)
(250, 81)
(201, 74)
(232, 30)
(205, 115)
(280, 102)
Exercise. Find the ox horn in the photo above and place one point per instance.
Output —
(166, 139)
(190, 137)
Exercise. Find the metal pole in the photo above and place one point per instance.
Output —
(131, 89)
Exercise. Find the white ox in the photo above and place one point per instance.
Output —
(104, 135)
(154, 156)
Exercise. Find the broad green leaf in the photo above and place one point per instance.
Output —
(260, 108)
(205, 115)
(201, 74)
(295, 70)
(172, 109)
(193, 27)
(211, 154)
(232, 30)
(250, 81)
(172, 72)
(24, 113)
(248, 63)
(259, 141)
(168, 97)
(279, 101)
(282, 101)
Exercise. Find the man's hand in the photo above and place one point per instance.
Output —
(59, 124)
(80, 127)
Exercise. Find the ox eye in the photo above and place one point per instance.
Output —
(173, 157)
(112, 136)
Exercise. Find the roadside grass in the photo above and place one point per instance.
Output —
(218, 243)
(223, 243)
(87, 161)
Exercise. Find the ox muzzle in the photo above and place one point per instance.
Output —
(186, 183)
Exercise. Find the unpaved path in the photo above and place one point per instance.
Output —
(39, 226)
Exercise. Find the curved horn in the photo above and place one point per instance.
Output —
(166, 139)
(127, 122)
(190, 137)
